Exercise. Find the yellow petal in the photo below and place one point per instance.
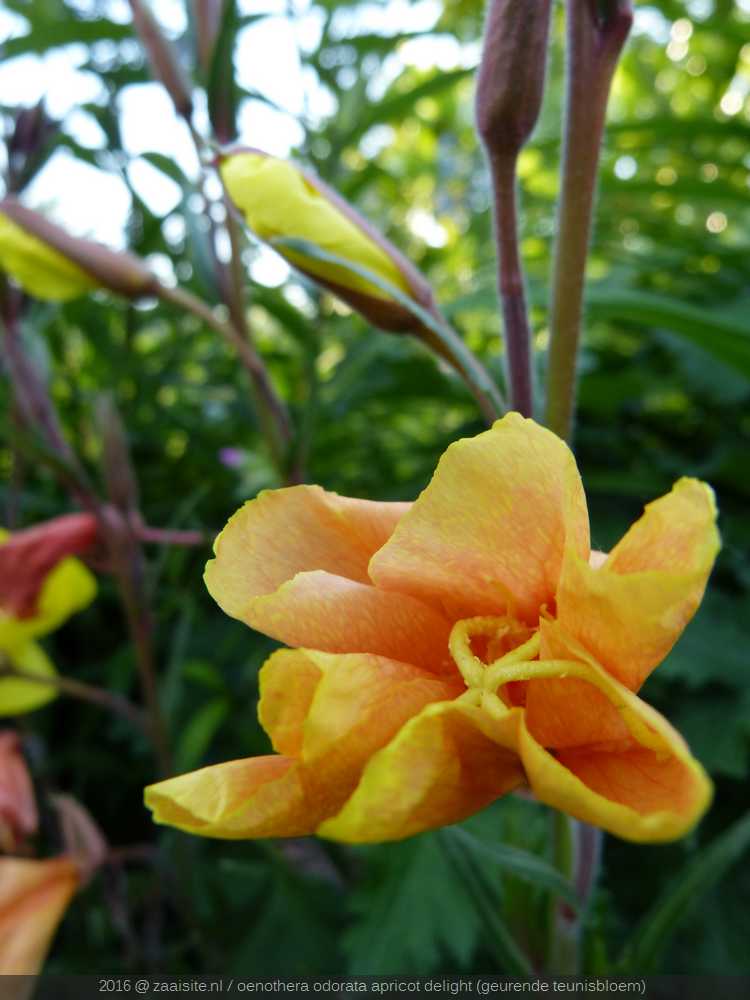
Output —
(68, 588)
(443, 765)
(278, 201)
(38, 269)
(287, 681)
(643, 786)
(33, 898)
(631, 611)
(18, 696)
(293, 564)
(487, 535)
(256, 797)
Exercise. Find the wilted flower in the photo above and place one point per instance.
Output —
(281, 201)
(41, 585)
(454, 649)
(18, 815)
(33, 898)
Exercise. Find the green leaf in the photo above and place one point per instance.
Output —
(696, 878)
(515, 861)
(222, 87)
(413, 909)
(712, 330)
(200, 730)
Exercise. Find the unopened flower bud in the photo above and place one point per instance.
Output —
(207, 15)
(18, 814)
(510, 84)
(51, 264)
(33, 898)
(280, 201)
(28, 144)
(162, 58)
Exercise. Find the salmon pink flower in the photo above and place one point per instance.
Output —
(454, 649)
(18, 815)
(33, 898)
(41, 585)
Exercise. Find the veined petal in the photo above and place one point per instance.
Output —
(631, 611)
(644, 786)
(295, 530)
(254, 797)
(18, 696)
(33, 898)
(336, 615)
(340, 710)
(445, 764)
(488, 534)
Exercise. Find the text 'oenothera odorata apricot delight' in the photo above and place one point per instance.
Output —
(454, 649)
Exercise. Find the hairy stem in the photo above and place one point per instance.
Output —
(511, 285)
(595, 41)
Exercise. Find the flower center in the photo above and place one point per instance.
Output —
(485, 649)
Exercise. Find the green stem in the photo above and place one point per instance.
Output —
(511, 285)
(594, 44)
(564, 928)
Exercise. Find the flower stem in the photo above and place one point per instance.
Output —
(595, 40)
(84, 692)
(272, 410)
(510, 282)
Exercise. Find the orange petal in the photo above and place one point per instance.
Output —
(340, 710)
(487, 535)
(256, 797)
(293, 564)
(643, 786)
(443, 765)
(631, 611)
(33, 898)
(335, 615)
(285, 532)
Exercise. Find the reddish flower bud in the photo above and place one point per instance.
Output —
(162, 58)
(18, 815)
(27, 557)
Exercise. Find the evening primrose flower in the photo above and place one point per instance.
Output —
(41, 585)
(281, 201)
(453, 649)
(34, 895)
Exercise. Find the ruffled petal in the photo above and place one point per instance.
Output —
(33, 898)
(254, 797)
(445, 764)
(285, 532)
(631, 611)
(642, 786)
(293, 564)
(18, 696)
(333, 713)
(336, 615)
(488, 534)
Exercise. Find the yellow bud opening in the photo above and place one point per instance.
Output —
(38, 269)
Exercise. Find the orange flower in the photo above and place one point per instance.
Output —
(18, 815)
(454, 649)
(33, 898)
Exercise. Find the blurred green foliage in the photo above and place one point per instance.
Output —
(665, 391)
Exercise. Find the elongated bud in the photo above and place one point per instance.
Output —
(51, 264)
(18, 814)
(162, 58)
(28, 144)
(28, 557)
(34, 895)
(510, 83)
(281, 201)
(119, 475)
